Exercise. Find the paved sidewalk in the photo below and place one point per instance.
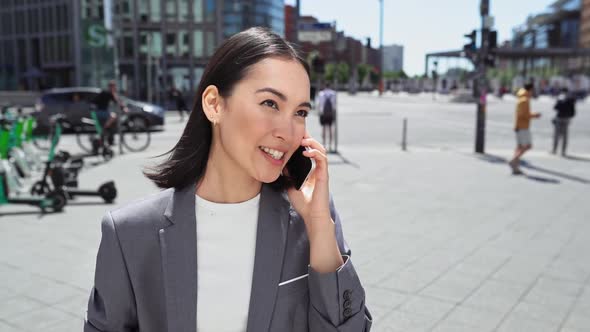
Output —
(443, 240)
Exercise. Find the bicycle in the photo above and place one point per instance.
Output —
(135, 133)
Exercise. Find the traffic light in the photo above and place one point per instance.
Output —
(318, 65)
(490, 60)
(471, 46)
(493, 39)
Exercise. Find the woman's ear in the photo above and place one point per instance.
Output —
(211, 102)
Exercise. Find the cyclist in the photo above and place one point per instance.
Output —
(105, 116)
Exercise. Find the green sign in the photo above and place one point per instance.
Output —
(95, 35)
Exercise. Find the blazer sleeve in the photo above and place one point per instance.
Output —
(111, 306)
(337, 299)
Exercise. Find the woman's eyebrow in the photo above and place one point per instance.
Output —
(273, 91)
(281, 96)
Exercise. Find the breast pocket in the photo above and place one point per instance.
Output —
(291, 307)
(293, 286)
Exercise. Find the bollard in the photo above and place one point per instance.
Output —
(404, 134)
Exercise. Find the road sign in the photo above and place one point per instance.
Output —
(315, 37)
(314, 26)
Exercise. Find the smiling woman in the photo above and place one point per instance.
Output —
(230, 244)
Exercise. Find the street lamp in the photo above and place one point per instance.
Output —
(381, 48)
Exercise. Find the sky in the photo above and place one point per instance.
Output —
(421, 26)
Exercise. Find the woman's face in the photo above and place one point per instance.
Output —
(263, 120)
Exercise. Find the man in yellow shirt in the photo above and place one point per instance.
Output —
(522, 126)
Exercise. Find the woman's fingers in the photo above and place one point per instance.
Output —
(312, 143)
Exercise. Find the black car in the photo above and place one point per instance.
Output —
(77, 103)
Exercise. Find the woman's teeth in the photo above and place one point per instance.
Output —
(273, 153)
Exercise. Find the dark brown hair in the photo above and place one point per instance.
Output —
(230, 64)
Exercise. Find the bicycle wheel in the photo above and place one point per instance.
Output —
(85, 141)
(136, 133)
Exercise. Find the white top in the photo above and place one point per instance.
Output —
(226, 243)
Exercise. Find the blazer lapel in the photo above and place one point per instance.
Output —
(179, 261)
(271, 238)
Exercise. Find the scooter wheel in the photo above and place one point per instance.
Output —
(39, 188)
(59, 200)
(108, 192)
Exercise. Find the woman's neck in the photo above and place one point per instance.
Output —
(225, 182)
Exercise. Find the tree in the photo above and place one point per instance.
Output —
(363, 71)
(342, 72)
(330, 72)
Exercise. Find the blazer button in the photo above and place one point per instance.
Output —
(347, 304)
(347, 312)
(347, 294)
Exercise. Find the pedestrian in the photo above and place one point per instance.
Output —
(327, 113)
(177, 98)
(229, 244)
(566, 110)
(522, 126)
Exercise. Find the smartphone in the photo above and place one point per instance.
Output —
(300, 167)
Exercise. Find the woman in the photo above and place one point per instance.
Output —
(168, 262)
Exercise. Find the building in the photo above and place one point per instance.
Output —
(239, 15)
(393, 58)
(160, 43)
(585, 25)
(338, 48)
(557, 27)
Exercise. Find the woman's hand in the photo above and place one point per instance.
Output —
(312, 202)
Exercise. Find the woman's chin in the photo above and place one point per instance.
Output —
(269, 178)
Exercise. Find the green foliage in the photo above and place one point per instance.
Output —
(362, 71)
(395, 75)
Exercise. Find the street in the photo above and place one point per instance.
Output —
(443, 239)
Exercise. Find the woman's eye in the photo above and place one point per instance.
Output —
(302, 113)
(270, 103)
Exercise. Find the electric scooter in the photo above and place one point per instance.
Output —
(66, 178)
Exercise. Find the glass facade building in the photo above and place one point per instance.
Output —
(242, 14)
(159, 43)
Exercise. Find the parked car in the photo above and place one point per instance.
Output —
(64, 101)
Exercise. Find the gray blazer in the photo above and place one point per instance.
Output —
(146, 272)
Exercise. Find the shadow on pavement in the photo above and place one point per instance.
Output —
(542, 179)
(501, 160)
(26, 213)
(343, 160)
(528, 165)
(576, 158)
(88, 203)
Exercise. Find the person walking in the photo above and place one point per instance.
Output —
(566, 110)
(177, 97)
(522, 126)
(327, 108)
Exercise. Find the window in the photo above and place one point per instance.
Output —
(210, 36)
(183, 12)
(198, 11)
(198, 45)
(184, 47)
(20, 22)
(170, 44)
(6, 24)
(143, 10)
(210, 10)
(33, 20)
(152, 47)
(128, 45)
(171, 10)
(155, 12)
